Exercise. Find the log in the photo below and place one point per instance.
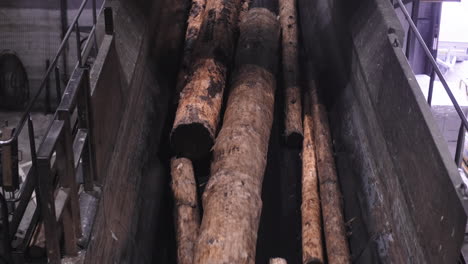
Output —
(232, 198)
(330, 194)
(187, 218)
(278, 261)
(312, 251)
(197, 115)
(271, 5)
(194, 23)
(244, 9)
(292, 105)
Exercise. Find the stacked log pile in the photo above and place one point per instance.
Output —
(231, 201)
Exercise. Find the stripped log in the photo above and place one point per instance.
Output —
(330, 194)
(187, 216)
(200, 101)
(278, 261)
(292, 105)
(232, 198)
(312, 251)
(194, 23)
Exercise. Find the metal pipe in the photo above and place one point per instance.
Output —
(47, 90)
(414, 17)
(5, 249)
(58, 88)
(108, 21)
(32, 144)
(78, 45)
(94, 12)
(434, 65)
(431, 87)
(64, 26)
(29, 185)
(460, 145)
(30, 105)
(94, 24)
(86, 50)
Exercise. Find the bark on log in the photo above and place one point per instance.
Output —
(330, 194)
(200, 101)
(187, 216)
(312, 251)
(194, 23)
(292, 105)
(232, 198)
(244, 9)
(278, 261)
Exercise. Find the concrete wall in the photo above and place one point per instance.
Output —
(395, 170)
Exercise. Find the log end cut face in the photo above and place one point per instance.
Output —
(192, 141)
(294, 140)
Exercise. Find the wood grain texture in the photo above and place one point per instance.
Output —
(278, 261)
(293, 102)
(187, 216)
(312, 250)
(197, 115)
(232, 198)
(194, 23)
(330, 194)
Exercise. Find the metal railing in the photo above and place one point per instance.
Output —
(66, 146)
(435, 67)
(74, 25)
